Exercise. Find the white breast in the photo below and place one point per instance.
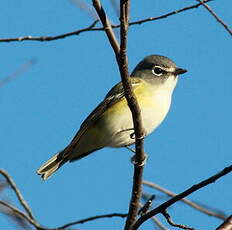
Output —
(153, 113)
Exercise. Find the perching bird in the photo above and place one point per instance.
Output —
(110, 123)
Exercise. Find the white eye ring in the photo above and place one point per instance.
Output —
(158, 71)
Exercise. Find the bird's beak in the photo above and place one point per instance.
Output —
(179, 71)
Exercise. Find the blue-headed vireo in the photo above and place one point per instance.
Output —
(110, 123)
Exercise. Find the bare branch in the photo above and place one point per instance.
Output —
(86, 7)
(17, 211)
(19, 71)
(18, 193)
(171, 222)
(122, 215)
(157, 223)
(186, 201)
(174, 12)
(91, 27)
(120, 53)
(180, 196)
(226, 225)
(107, 26)
(136, 115)
(37, 226)
(216, 17)
(51, 38)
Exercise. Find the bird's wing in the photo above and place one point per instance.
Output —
(115, 95)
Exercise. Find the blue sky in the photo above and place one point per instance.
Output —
(42, 109)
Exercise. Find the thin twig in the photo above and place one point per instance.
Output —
(82, 221)
(174, 12)
(216, 17)
(122, 215)
(180, 196)
(88, 9)
(171, 222)
(84, 6)
(19, 71)
(51, 38)
(186, 201)
(157, 223)
(107, 26)
(226, 225)
(18, 212)
(91, 27)
(18, 193)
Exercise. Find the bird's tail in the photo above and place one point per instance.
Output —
(49, 167)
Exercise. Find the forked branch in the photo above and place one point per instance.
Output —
(180, 196)
(92, 26)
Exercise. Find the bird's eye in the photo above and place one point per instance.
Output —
(157, 71)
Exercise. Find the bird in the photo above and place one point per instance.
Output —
(110, 124)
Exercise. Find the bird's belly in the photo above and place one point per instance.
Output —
(153, 111)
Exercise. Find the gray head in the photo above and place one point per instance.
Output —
(156, 67)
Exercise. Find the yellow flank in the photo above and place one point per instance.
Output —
(117, 107)
(142, 91)
(115, 118)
